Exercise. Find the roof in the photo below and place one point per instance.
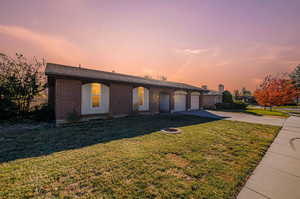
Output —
(212, 92)
(71, 71)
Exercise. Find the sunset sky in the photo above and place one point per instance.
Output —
(234, 42)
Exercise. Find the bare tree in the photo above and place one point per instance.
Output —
(21, 80)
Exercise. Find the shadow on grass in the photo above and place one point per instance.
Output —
(44, 141)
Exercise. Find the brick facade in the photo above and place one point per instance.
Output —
(188, 100)
(67, 97)
(120, 99)
(51, 96)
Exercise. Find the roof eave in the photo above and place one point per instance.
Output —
(50, 74)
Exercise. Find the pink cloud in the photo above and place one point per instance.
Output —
(55, 48)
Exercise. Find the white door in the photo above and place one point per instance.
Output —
(179, 102)
(194, 102)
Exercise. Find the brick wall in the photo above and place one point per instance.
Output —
(67, 97)
(188, 100)
(120, 98)
(51, 96)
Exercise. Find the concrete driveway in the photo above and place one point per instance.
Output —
(243, 117)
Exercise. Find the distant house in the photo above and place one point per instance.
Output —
(96, 94)
(211, 98)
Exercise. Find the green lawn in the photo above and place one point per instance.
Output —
(257, 112)
(131, 158)
(266, 112)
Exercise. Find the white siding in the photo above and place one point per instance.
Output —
(135, 100)
(145, 106)
(180, 101)
(86, 101)
(195, 100)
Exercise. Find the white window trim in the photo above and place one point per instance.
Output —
(145, 97)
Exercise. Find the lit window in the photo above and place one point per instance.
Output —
(96, 95)
(141, 96)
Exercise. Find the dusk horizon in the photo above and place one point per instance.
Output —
(196, 42)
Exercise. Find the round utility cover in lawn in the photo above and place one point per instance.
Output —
(171, 130)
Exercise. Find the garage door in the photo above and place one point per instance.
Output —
(164, 102)
(179, 101)
(195, 101)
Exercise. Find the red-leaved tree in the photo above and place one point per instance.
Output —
(275, 91)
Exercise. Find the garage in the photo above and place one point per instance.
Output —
(180, 101)
(195, 96)
(164, 102)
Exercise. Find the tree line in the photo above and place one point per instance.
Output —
(275, 90)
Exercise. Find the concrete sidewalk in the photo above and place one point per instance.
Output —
(278, 174)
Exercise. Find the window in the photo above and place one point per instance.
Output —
(141, 96)
(96, 95)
